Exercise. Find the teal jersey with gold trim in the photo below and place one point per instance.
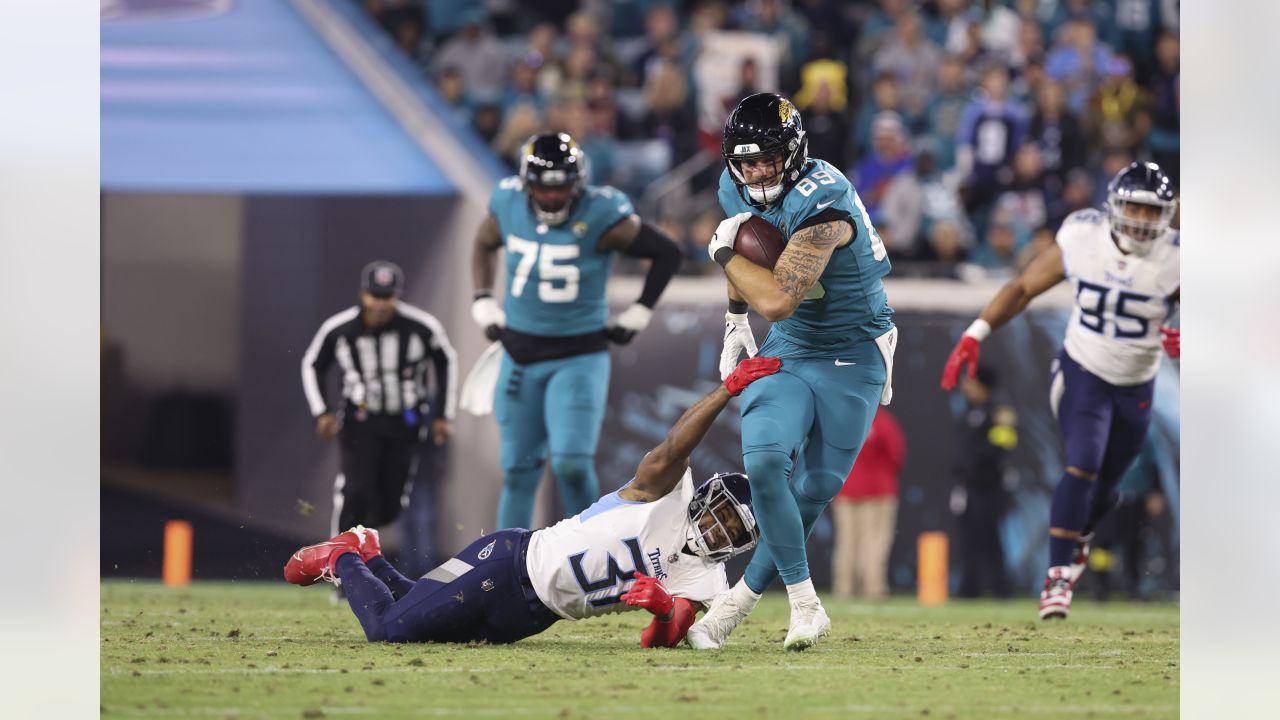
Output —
(847, 303)
(555, 275)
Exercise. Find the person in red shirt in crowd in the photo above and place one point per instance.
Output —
(866, 511)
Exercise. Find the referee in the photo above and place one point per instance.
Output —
(382, 347)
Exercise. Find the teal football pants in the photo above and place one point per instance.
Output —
(556, 405)
(801, 431)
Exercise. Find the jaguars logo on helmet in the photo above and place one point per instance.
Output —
(554, 173)
(765, 126)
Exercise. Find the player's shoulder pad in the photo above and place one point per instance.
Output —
(820, 191)
(1080, 224)
(503, 190)
(610, 198)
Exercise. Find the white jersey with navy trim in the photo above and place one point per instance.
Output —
(580, 565)
(1120, 300)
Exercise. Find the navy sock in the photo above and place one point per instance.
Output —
(383, 570)
(366, 594)
(1070, 511)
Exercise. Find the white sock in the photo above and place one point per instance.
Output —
(802, 593)
(744, 595)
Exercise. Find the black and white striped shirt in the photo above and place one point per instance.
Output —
(383, 369)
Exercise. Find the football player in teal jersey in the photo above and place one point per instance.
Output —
(559, 235)
(803, 427)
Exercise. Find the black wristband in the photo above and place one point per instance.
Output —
(486, 293)
(723, 256)
(737, 307)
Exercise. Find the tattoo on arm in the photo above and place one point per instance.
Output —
(806, 257)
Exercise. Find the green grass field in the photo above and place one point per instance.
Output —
(266, 650)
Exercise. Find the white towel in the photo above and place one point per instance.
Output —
(887, 343)
(482, 381)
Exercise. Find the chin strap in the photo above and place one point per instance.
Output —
(669, 633)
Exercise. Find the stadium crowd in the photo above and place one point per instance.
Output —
(969, 128)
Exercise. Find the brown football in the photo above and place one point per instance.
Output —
(759, 241)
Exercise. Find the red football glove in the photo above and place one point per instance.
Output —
(965, 351)
(750, 370)
(649, 594)
(669, 633)
(1172, 341)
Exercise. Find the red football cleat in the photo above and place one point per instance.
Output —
(1055, 599)
(362, 537)
(314, 563)
(1080, 560)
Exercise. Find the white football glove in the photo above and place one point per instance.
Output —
(488, 314)
(632, 320)
(737, 338)
(726, 233)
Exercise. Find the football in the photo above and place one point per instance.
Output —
(760, 242)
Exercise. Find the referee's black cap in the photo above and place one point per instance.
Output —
(382, 278)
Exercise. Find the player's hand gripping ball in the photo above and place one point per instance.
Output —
(760, 242)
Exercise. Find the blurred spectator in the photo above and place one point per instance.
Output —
(479, 57)
(583, 29)
(787, 28)
(1118, 115)
(1162, 140)
(990, 131)
(579, 67)
(1026, 202)
(878, 28)
(447, 17)
(1057, 133)
(829, 17)
(890, 155)
(1028, 46)
(1078, 61)
(826, 128)
(915, 202)
(1001, 243)
(1077, 194)
(865, 513)
(950, 28)
(946, 108)
(1000, 27)
(660, 27)
(487, 122)
(986, 432)
(522, 87)
(947, 245)
(825, 71)
(453, 90)
(884, 98)
(1135, 24)
(519, 124)
(670, 115)
(913, 60)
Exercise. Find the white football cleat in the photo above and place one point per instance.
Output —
(809, 622)
(731, 608)
(1055, 599)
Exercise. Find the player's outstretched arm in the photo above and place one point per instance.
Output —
(1044, 272)
(639, 239)
(484, 269)
(777, 294)
(662, 468)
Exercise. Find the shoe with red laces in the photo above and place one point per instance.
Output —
(315, 563)
(364, 538)
(1055, 599)
(1080, 560)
